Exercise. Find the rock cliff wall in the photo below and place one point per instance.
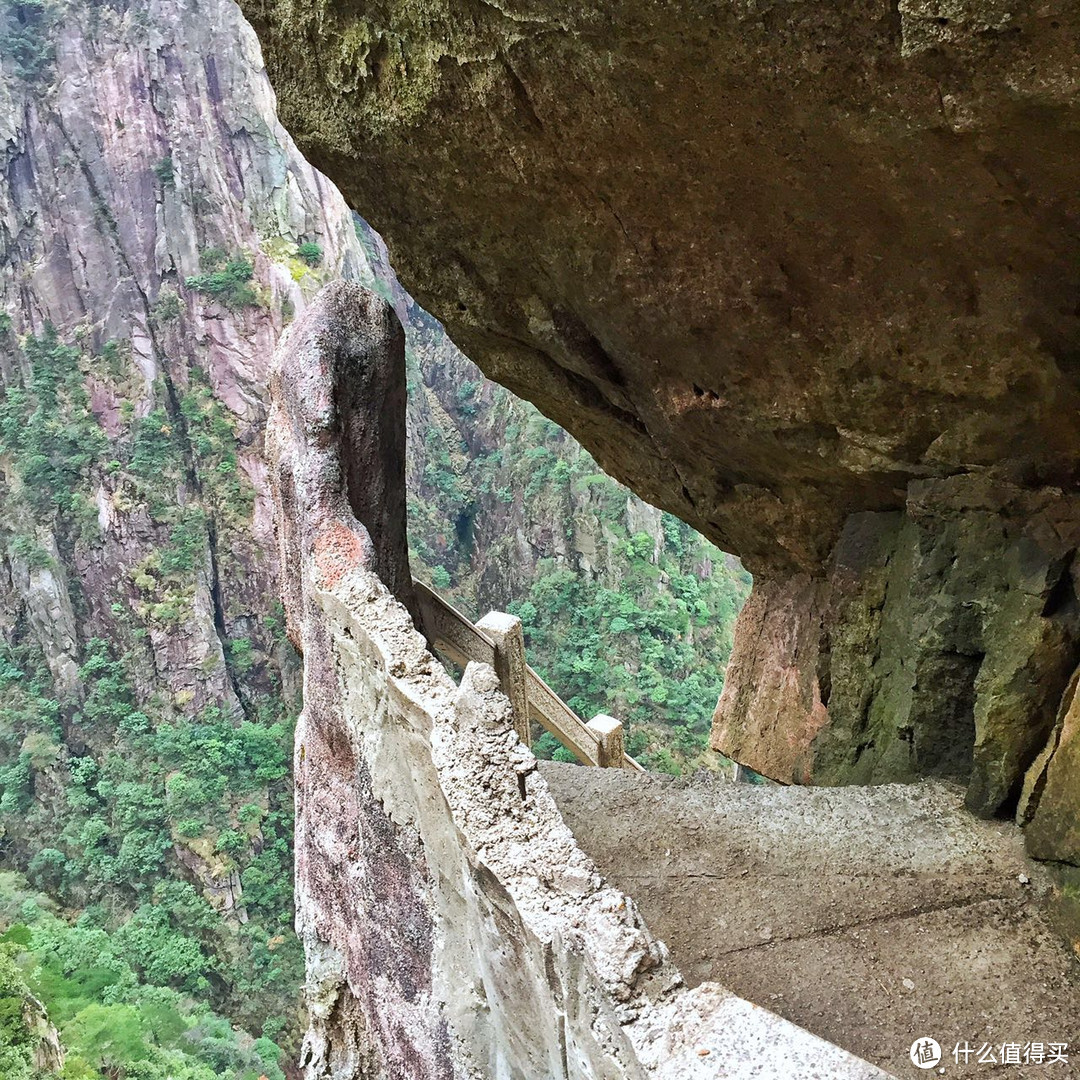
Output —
(136, 156)
(151, 215)
(805, 276)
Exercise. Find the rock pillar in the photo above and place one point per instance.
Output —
(939, 642)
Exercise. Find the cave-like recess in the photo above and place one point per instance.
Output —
(806, 275)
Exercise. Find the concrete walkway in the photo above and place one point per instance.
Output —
(869, 916)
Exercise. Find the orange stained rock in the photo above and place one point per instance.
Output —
(337, 550)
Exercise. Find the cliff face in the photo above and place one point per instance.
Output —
(805, 277)
(137, 157)
(151, 213)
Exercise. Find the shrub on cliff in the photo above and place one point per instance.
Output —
(16, 1039)
(25, 38)
(310, 252)
(228, 280)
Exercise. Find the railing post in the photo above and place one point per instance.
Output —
(609, 734)
(506, 635)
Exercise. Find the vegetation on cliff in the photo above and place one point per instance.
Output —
(108, 796)
(112, 1016)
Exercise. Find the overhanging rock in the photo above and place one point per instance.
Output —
(451, 924)
(805, 275)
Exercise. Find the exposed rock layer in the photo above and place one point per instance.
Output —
(139, 147)
(805, 276)
(939, 643)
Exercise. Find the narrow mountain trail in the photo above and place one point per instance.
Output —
(870, 916)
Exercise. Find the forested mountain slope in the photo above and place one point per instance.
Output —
(626, 609)
(159, 231)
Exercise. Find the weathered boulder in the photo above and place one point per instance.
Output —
(805, 275)
(938, 643)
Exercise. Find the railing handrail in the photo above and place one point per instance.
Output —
(462, 640)
(470, 643)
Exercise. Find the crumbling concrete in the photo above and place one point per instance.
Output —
(453, 928)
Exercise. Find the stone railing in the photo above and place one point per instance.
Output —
(497, 639)
(452, 927)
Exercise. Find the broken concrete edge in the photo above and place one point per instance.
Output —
(615, 1005)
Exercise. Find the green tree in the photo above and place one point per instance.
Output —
(16, 1038)
(113, 1037)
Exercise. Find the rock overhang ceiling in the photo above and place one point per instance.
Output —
(807, 276)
